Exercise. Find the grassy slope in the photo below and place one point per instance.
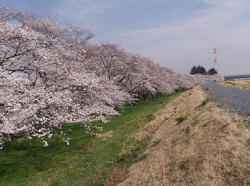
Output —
(86, 161)
(199, 144)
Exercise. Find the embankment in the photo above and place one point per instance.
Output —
(197, 143)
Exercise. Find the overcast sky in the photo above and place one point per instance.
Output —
(175, 33)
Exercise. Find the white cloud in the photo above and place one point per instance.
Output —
(180, 43)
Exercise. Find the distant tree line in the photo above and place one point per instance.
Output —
(201, 70)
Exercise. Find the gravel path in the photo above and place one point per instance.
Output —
(235, 99)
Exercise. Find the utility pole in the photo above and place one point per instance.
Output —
(215, 60)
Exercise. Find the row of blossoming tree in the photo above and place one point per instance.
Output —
(51, 75)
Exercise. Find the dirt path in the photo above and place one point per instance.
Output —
(197, 144)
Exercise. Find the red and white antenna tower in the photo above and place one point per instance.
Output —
(215, 59)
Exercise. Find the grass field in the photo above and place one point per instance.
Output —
(239, 84)
(88, 160)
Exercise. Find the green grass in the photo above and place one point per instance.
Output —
(246, 123)
(207, 100)
(88, 160)
(180, 119)
(150, 117)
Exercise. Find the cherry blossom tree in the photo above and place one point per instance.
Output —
(43, 82)
(138, 75)
(50, 75)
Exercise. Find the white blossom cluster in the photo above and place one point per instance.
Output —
(140, 76)
(51, 75)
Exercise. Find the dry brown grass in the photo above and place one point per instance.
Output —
(137, 142)
(208, 148)
(240, 84)
(117, 176)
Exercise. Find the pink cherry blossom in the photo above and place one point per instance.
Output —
(50, 75)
